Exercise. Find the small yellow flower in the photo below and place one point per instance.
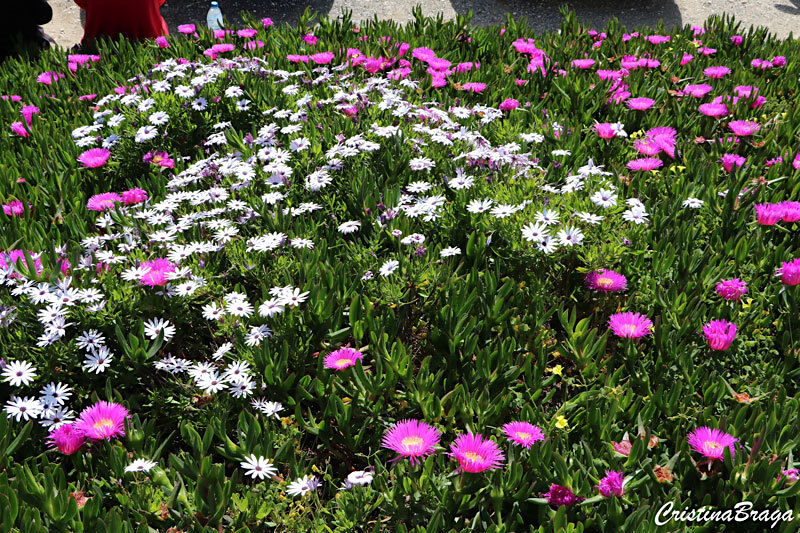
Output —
(556, 370)
(561, 422)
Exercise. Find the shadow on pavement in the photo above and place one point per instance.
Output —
(791, 10)
(177, 12)
(543, 15)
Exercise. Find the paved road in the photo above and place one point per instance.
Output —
(780, 16)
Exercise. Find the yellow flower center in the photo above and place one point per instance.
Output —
(411, 442)
(522, 435)
(158, 158)
(605, 282)
(629, 328)
(103, 423)
(712, 445)
(472, 456)
(343, 362)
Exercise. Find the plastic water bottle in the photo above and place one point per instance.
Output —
(214, 17)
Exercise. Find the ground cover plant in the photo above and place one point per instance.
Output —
(334, 277)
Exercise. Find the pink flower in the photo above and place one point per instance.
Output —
(657, 39)
(476, 454)
(161, 159)
(162, 42)
(14, 208)
(253, 45)
(474, 87)
(790, 272)
(791, 211)
(719, 334)
(103, 421)
(49, 78)
(730, 160)
(713, 110)
(523, 433)
(622, 447)
(267, 22)
(645, 164)
(731, 289)
(223, 47)
(611, 485)
(342, 358)
(525, 47)
(27, 113)
(437, 63)
(13, 97)
(717, 72)
(13, 257)
(156, 276)
(769, 214)
(67, 438)
(94, 157)
(792, 475)
(630, 325)
(89, 97)
(422, 53)
(583, 63)
(310, 39)
(247, 33)
(686, 59)
(698, 91)
(605, 130)
(737, 40)
(186, 29)
(558, 496)
(134, 196)
(103, 201)
(19, 129)
(509, 104)
(711, 442)
(743, 128)
(606, 281)
(294, 58)
(796, 162)
(322, 58)
(412, 438)
(778, 61)
(640, 104)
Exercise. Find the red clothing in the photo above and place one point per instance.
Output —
(134, 19)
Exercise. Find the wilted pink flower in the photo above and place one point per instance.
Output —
(622, 447)
(737, 40)
(342, 358)
(711, 442)
(156, 276)
(743, 128)
(630, 325)
(103, 201)
(162, 42)
(640, 104)
(558, 496)
(713, 110)
(412, 438)
(769, 214)
(103, 421)
(790, 272)
(509, 104)
(94, 157)
(731, 289)
(719, 334)
(611, 485)
(134, 196)
(67, 438)
(729, 160)
(476, 454)
(717, 72)
(14, 208)
(606, 281)
(645, 164)
(523, 433)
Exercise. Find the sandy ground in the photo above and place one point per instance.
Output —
(780, 16)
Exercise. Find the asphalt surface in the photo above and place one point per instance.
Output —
(780, 16)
